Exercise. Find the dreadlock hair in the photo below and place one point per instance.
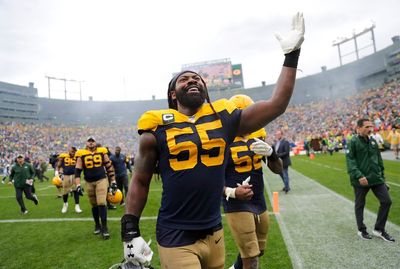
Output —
(171, 87)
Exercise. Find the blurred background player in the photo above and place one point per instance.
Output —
(110, 206)
(121, 164)
(65, 169)
(22, 174)
(245, 207)
(6, 172)
(394, 140)
(53, 162)
(94, 163)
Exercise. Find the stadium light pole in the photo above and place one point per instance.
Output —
(355, 35)
(65, 85)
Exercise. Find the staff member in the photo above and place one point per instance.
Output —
(22, 174)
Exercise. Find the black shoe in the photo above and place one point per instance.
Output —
(97, 230)
(36, 199)
(384, 235)
(111, 207)
(364, 235)
(105, 233)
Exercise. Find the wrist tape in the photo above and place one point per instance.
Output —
(292, 58)
(129, 227)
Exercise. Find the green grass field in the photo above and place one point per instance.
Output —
(331, 171)
(50, 239)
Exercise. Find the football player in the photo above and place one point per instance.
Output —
(65, 169)
(94, 163)
(121, 165)
(189, 141)
(245, 207)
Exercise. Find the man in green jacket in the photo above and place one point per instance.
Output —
(22, 174)
(365, 167)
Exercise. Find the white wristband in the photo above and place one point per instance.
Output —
(230, 193)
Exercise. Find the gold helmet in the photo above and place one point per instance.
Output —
(115, 198)
(241, 101)
(56, 181)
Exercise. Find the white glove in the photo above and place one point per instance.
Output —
(56, 173)
(293, 40)
(138, 251)
(261, 148)
(231, 192)
(29, 182)
(245, 182)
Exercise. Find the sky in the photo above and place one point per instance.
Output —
(128, 50)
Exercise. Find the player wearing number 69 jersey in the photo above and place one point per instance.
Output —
(94, 163)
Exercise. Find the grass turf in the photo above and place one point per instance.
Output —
(331, 171)
(71, 244)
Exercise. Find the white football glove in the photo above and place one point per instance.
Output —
(56, 173)
(261, 148)
(29, 182)
(293, 40)
(245, 182)
(231, 192)
(138, 251)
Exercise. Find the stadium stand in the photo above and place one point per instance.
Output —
(324, 104)
(18, 103)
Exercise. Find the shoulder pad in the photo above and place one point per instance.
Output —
(150, 120)
(63, 155)
(260, 133)
(224, 104)
(81, 152)
(102, 150)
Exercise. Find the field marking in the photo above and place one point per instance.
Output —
(293, 253)
(342, 170)
(67, 219)
(45, 188)
(78, 219)
(319, 226)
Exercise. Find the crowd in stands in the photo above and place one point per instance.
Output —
(335, 120)
(38, 141)
(322, 125)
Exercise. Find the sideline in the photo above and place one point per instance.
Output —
(319, 229)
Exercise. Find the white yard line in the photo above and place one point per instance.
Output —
(67, 219)
(319, 228)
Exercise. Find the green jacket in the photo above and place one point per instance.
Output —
(20, 173)
(364, 160)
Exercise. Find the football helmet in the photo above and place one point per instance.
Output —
(56, 181)
(115, 198)
(241, 101)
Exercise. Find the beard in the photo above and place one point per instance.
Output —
(191, 100)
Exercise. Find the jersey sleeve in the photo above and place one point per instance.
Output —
(230, 115)
(148, 122)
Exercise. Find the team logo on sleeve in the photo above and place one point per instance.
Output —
(168, 118)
